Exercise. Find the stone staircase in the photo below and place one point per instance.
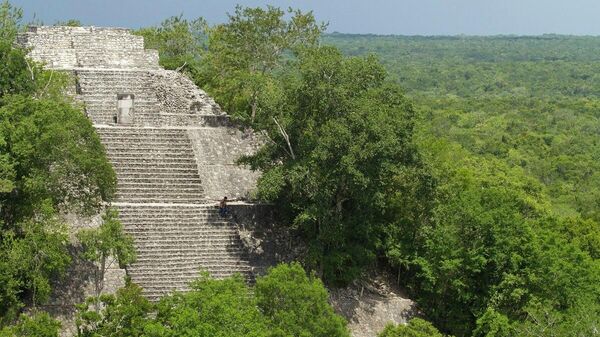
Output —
(98, 89)
(174, 242)
(153, 165)
(162, 206)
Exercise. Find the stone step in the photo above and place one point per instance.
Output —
(178, 228)
(176, 225)
(197, 256)
(176, 219)
(105, 96)
(181, 278)
(200, 222)
(170, 231)
(108, 100)
(166, 251)
(169, 248)
(190, 260)
(173, 219)
(142, 146)
(170, 236)
(158, 160)
(159, 191)
(150, 175)
(151, 167)
(153, 200)
(154, 275)
(195, 194)
(143, 211)
(208, 257)
(131, 153)
(110, 72)
(108, 117)
(183, 180)
(169, 217)
(119, 154)
(148, 141)
(141, 132)
(138, 149)
(108, 104)
(191, 182)
(141, 114)
(181, 217)
(179, 135)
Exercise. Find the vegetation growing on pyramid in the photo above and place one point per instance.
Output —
(451, 193)
(51, 161)
(468, 167)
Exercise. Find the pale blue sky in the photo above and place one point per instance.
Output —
(407, 17)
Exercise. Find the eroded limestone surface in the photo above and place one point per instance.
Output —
(370, 305)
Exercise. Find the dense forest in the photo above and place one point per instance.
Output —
(529, 101)
(465, 166)
(515, 115)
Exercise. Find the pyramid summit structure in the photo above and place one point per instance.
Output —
(172, 147)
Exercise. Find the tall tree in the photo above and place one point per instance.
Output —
(244, 53)
(339, 141)
(179, 42)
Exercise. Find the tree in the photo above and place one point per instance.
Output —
(416, 327)
(179, 42)
(244, 54)
(123, 314)
(102, 243)
(30, 260)
(212, 308)
(341, 142)
(492, 251)
(51, 161)
(296, 304)
(10, 18)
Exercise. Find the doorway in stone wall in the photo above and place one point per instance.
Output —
(125, 108)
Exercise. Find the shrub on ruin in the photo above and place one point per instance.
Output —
(416, 327)
(106, 244)
(296, 304)
(39, 324)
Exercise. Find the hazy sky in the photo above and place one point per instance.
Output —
(407, 17)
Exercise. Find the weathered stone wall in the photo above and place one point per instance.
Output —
(62, 47)
(162, 97)
(217, 151)
(369, 305)
(177, 94)
(79, 281)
